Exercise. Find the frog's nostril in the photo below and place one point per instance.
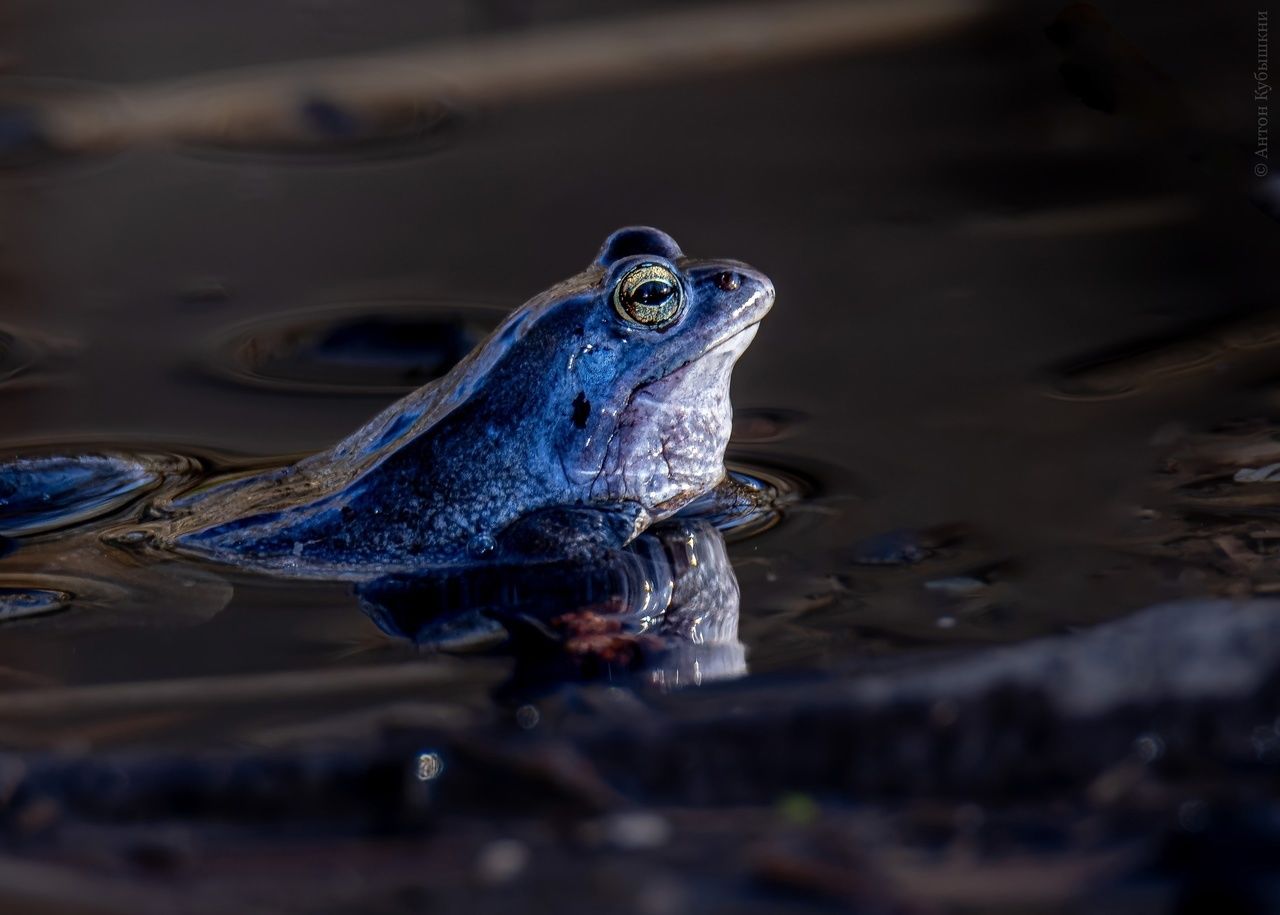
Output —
(728, 281)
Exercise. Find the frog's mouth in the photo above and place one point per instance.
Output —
(699, 383)
(729, 347)
(737, 340)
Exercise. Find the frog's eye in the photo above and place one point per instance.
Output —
(650, 295)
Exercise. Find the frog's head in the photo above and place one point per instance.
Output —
(635, 406)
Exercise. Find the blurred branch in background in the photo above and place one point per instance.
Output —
(351, 98)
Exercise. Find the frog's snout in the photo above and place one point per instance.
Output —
(759, 291)
(768, 292)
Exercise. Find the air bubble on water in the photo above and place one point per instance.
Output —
(1148, 747)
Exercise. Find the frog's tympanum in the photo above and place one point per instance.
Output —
(595, 410)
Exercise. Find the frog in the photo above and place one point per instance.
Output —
(597, 409)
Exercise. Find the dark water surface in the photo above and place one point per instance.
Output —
(998, 312)
(1020, 379)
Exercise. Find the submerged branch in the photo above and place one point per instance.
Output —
(279, 103)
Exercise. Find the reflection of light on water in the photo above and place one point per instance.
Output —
(42, 492)
(430, 766)
(25, 147)
(21, 603)
(767, 489)
(363, 102)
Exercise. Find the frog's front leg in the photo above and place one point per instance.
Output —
(734, 497)
(572, 531)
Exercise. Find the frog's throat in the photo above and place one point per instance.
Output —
(667, 446)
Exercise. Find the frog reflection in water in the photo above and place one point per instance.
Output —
(665, 607)
(599, 408)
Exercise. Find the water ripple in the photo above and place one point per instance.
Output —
(23, 603)
(374, 348)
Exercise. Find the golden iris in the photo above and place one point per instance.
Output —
(650, 295)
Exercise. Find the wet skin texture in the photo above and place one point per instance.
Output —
(595, 410)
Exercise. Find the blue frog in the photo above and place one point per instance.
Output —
(597, 409)
(514, 495)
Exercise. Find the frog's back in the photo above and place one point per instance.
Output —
(404, 489)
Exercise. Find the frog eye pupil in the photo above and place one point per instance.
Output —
(652, 293)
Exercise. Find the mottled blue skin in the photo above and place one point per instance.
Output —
(569, 425)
